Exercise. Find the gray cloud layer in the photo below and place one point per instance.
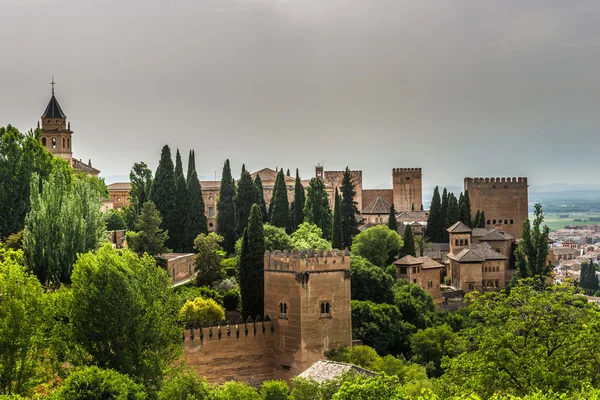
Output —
(458, 87)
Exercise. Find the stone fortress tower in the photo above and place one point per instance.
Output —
(503, 200)
(407, 187)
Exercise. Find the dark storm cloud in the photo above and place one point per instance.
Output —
(460, 88)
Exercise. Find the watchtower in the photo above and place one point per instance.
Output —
(307, 295)
(56, 132)
(407, 186)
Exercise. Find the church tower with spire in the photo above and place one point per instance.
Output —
(56, 132)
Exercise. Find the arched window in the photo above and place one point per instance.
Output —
(68, 143)
(466, 242)
(494, 222)
(64, 143)
(488, 221)
(322, 308)
(505, 222)
(456, 242)
(512, 221)
(53, 142)
(461, 242)
(327, 310)
(44, 141)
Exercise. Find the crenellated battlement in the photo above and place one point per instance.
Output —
(226, 331)
(342, 172)
(311, 260)
(406, 170)
(514, 182)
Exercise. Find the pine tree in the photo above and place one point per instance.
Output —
(467, 201)
(226, 210)
(261, 197)
(350, 212)
(337, 241)
(245, 197)
(408, 248)
(181, 205)
(299, 199)
(453, 215)
(191, 165)
(482, 220)
(392, 223)
(148, 237)
(532, 251)
(163, 193)
(195, 220)
(442, 232)
(433, 220)
(316, 209)
(252, 266)
(280, 214)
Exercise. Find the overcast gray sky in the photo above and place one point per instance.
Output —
(457, 87)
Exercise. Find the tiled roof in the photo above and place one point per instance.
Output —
(563, 250)
(459, 227)
(377, 206)
(270, 175)
(324, 370)
(53, 110)
(477, 253)
(466, 255)
(496, 235)
(477, 232)
(408, 260)
(410, 216)
(119, 186)
(437, 251)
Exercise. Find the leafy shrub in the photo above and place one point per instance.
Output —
(226, 285)
(195, 313)
(231, 300)
(274, 390)
(96, 383)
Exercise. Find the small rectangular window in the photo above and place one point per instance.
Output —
(211, 212)
(414, 270)
(429, 284)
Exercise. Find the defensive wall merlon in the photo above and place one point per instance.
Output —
(342, 172)
(406, 170)
(227, 330)
(514, 182)
(305, 261)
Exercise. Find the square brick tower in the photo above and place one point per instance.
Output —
(407, 186)
(307, 295)
(56, 133)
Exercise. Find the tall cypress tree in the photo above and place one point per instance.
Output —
(337, 241)
(392, 223)
(482, 219)
(350, 212)
(477, 220)
(191, 165)
(408, 248)
(226, 210)
(178, 165)
(163, 194)
(181, 205)
(442, 232)
(453, 215)
(261, 197)
(195, 218)
(245, 197)
(299, 199)
(316, 209)
(252, 284)
(433, 220)
(280, 214)
(288, 173)
(467, 202)
(463, 210)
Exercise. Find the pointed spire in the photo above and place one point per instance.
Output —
(53, 110)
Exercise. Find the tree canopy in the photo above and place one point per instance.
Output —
(309, 236)
(316, 208)
(164, 194)
(532, 251)
(349, 209)
(148, 237)
(252, 282)
(226, 210)
(337, 241)
(279, 210)
(245, 196)
(377, 244)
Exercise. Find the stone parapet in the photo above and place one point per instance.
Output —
(311, 260)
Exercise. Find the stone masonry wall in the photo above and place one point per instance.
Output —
(407, 185)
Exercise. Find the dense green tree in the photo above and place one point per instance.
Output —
(140, 179)
(195, 221)
(234, 391)
(280, 214)
(430, 345)
(526, 341)
(246, 195)
(164, 195)
(408, 248)
(532, 251)
(467, 212)
(392, 223)
(184, 385)
(309, 236)
(261, 198)
(337, 241)
(226, 210)
(21, 155)
(200, 311)
(93, 383)
(252, 283)
(288, 173)
(482, 220)
(181, 211)
(22, 326)
(370, 282)
(191, 165)
(274, 390)
(208, 258)
(434, 218)
(453, 214)
(299, 199)
(126, 314)
(477, 220)
(380, 326)
(178, 165)
(442, 233)
(64, 221)
(276, 238)
(377, 244)
(114, 220)
(350, 212)
(415, 305)
(588, 279)
(148, 236)
(316, 209)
